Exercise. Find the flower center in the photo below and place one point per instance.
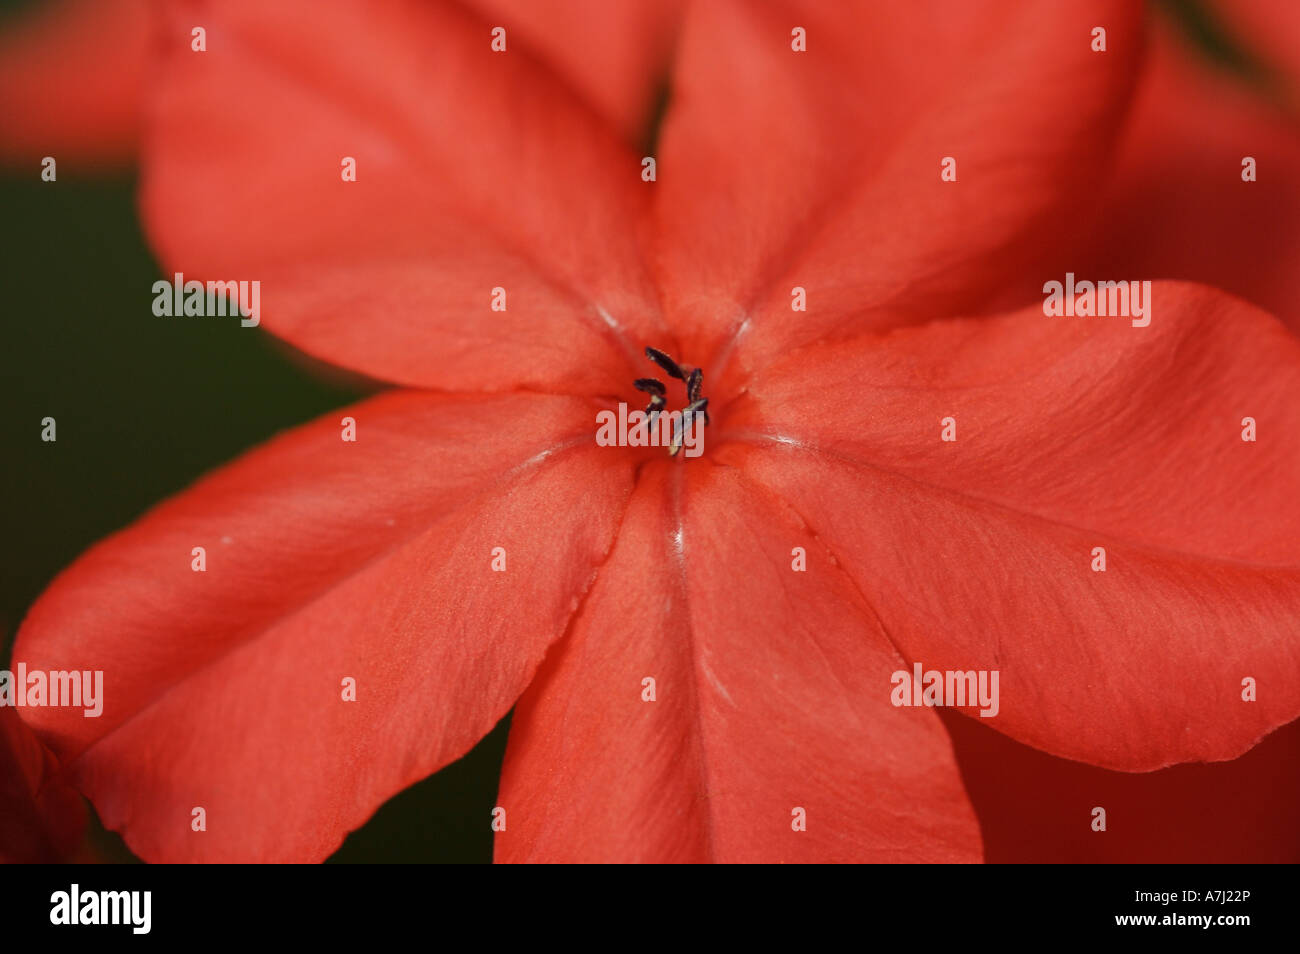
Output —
(696, 406)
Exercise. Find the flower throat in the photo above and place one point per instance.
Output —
(656, 426)
(695, 404)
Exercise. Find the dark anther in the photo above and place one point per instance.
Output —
(694, 385)
(696, 405)
(694, 382)
(655, 388)
(688, 413)
(665, 362)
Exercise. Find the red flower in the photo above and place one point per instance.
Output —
(71, 83)
(42, 818)
(373, 560)
(1178, 206)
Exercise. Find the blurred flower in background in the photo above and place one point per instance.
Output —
(1221, 83)
(72, 83)
(42, 817)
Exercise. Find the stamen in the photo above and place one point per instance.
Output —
(688, 414)
(665, 362)
(697, 405)
(693, 385)
(654, 407)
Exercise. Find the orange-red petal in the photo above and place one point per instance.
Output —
(325, 561)
(475, 170)
(1070, 434)
(822, 169)
(72, 84)
(771, 704)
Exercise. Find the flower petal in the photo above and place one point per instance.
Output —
(771, 695)
(615, 54)
(72, 79)
(42, 819)
(1035, 808)
(475, 170)
(1071, 434)
(1178, 206)
(325, 560)
(821, 169)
